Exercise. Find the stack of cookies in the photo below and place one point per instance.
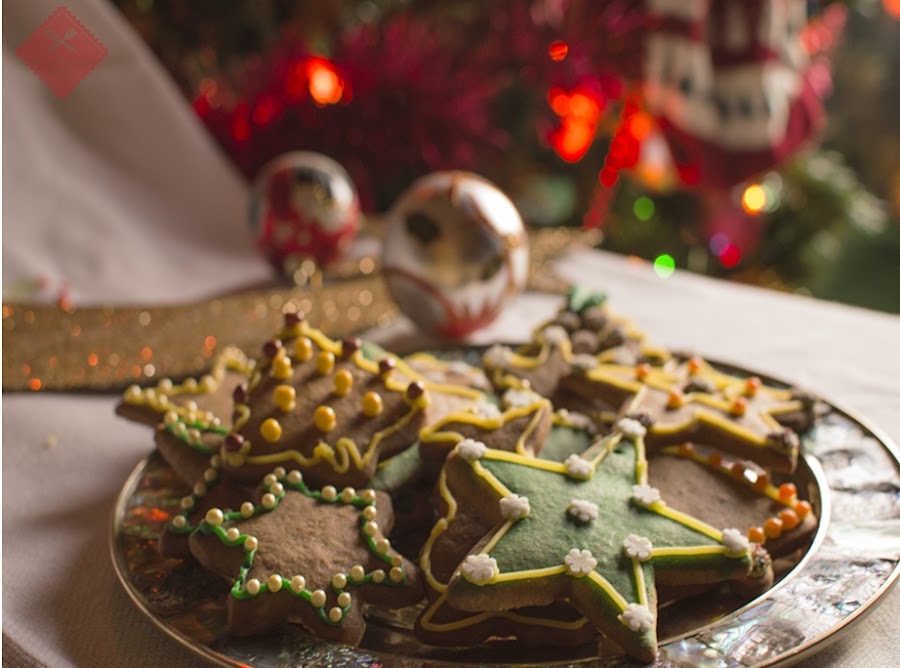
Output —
(553, 494)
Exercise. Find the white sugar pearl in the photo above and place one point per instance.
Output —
(269, 501)
(274, 583)
(215, 517)
(339, 581)
(318, 598)
(246, 509)
(233, 534)
(251, 543)
(298, 582)
(344, 599)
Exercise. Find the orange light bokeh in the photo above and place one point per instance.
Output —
(325, 86)
(754, 199)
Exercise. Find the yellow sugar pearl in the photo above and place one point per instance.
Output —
(378, 576)
(253, 587)
(324, 363)
(298, 582)
(274, 583)
(281, 368)
(339, 581)
(303, 349)
(247, 509)
(269, 501)
(232, 534)
(344, 599)
(357, 573)
(215, 517)
(368, 495)
(179, 522)
(329, 493)
(382, 545)
(372, 404)
(370, 512)
(270, 430)
(396, 574)
(370, 529)
(325, 418)
(285, 397)
(251, 543)
(348, 494)
(318, 598)
(335, 614)
(343, 382)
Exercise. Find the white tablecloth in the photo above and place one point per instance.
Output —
(117, 191)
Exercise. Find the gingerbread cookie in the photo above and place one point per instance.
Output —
(322, 407)
(589, 531)
(313, 555)
(690, 401)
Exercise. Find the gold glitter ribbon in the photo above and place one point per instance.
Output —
(106, 348)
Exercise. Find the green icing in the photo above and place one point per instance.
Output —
(398, 471)
(563, 441)
(580, 299)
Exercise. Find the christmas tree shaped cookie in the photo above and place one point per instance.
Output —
(322, 407)
(590, 532)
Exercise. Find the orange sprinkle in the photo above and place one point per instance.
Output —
(802, 508)
(209, 342)
(789, 519)
(752, 385)
(26, 369)
(773, 527)
(35, 384)
(694, 364)
(642, 371)
(737, 469)
(715, 459)
(676, 400)
(136, 371)
(146, 353)
(686, 449)
(756, 535)
(739, 407)
(787, 492)
(93, 360)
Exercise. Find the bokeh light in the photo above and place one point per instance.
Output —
(664, 265)
(644, 208)
(558, 50)
(730, 256)
(754, 199)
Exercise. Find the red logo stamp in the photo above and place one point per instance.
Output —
(61, 51)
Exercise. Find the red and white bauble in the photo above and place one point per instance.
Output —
(455, 251)
(303, 206)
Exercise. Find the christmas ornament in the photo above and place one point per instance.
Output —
(303, 206)
(455, 251)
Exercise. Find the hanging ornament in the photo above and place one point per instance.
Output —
(455, 251)
(303, 207)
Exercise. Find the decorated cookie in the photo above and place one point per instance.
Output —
(581, 335)
(204, 400)
(690, 401)
(589, 531)
(322, 407)
(519, 424)
(306, 554)
(737, 492)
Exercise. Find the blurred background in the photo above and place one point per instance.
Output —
(754, 140)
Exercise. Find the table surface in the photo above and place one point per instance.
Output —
(118, 193)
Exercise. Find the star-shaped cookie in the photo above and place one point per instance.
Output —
(314, 555)
(589, 532)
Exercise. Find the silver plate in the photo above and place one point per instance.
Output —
(850, 472)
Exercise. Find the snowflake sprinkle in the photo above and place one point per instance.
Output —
(519, 398)
(514, 507)
(637, 617)
(735, 542)
(631, 429)
(578, 467)
(485, 410)
(638, 547)
(497, 356)
(479, 568)
(645, 494)
(470, 449)
(580, 562)
(583, 511)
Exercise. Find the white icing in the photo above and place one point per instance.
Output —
(580, 562)
(470, 449)
(554, 335)
(578, 467)
(514, 507)
(631, 429)
(517, 398)
(497, 356)
(638, 547)
(485, 410)
(479, 568)
(645, 494)
(582, 510)
(735, 543)
(637, 617)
